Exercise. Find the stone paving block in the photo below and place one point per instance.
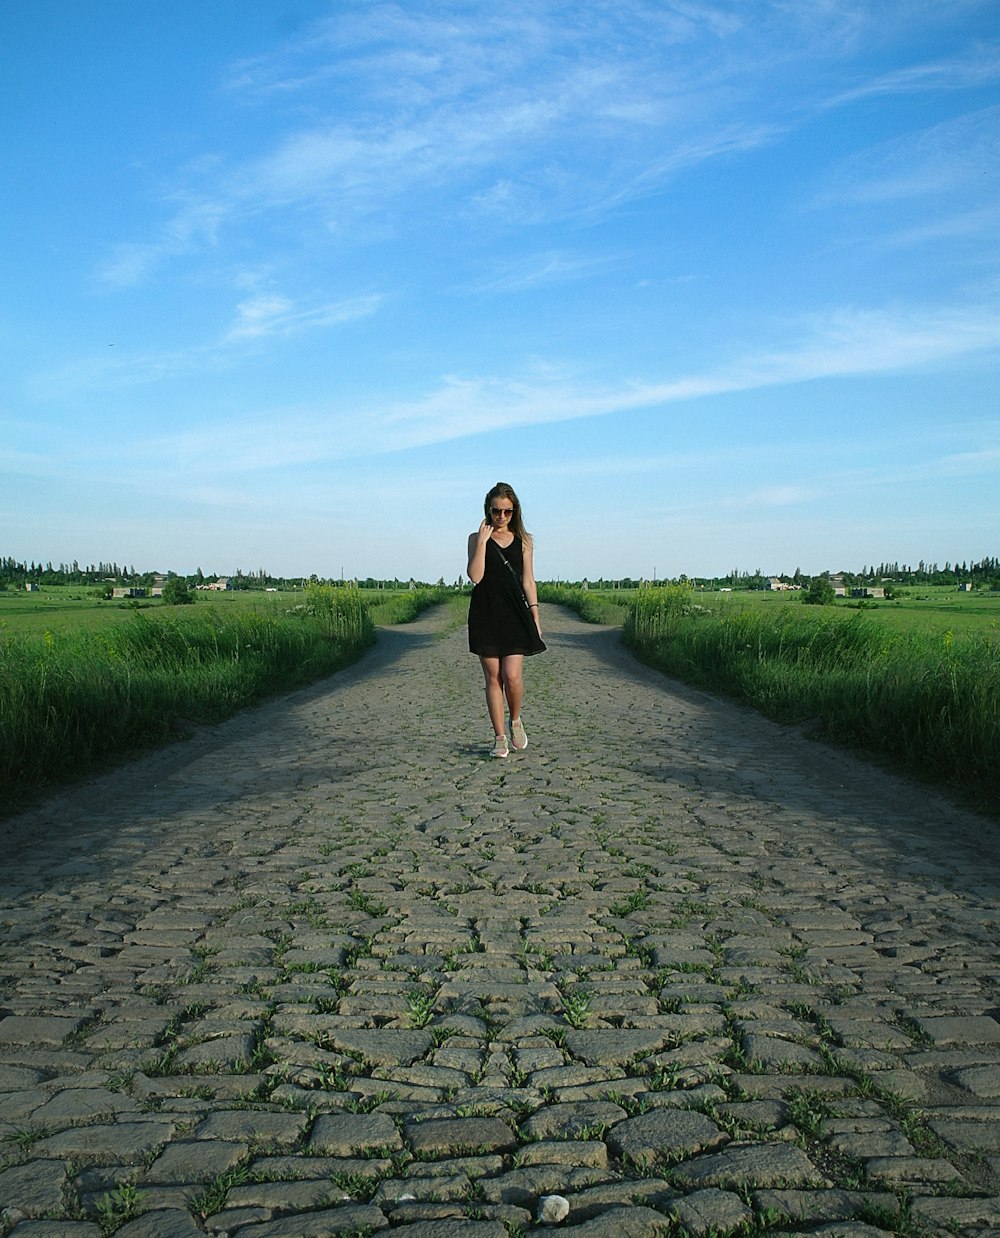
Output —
(167, 1223)
(772, 1053)
(591, 1153)
(709, 1211)
(671, 1133)
(77, 1105)
(966, 1214)
(756, 1165)
(256, 1127)
(614, 1046)
(982, 1081)
(634, 1221)
(969, 1136)
(454, 1136)
(195, 1161)
(19, 1078)
(124, 1143)
(384, 1047)
(570, 1121)
(39, 1029)
(55, 1229)
(19, 1106)
(524, 1186)
(432, 1187)
(851, 1229)
(946, 1029)
(471, 1167)
(34, 1188)
(912, 1171)
(455, 1228)
(331, 1223)
(349, 1134)
(831, 1205)
(275, 1198)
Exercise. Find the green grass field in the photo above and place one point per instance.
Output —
(64, 609)
(931, 608)
(74, 608)
(914, 680)
(83, 680)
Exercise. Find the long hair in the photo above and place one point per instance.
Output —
(516, 525)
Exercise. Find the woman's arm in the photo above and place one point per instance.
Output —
(528, 583)
(476, 568)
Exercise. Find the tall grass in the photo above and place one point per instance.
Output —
(405, 605)
(69, 700)
(593, 606)
(929, 702)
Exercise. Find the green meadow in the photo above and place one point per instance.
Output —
(914, 681)
(83, 680)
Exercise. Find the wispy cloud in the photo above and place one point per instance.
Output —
(532, 112)
(193, 228)
(259, 319)
(979, 67)
(265, 315)
(953, 157)
(845, 344)
(539, 270)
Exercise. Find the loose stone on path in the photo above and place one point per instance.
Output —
(328, 969)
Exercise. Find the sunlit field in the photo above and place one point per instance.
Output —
(916, 681)
(82, 680)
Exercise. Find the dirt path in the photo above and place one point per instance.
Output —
(327, 968)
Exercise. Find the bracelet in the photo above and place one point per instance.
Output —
(532, 606)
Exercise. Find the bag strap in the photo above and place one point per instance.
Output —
(507, 565)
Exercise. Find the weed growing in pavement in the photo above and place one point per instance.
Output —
(361, 901)
(357, 1186)
(28, 1136)
(118, 1206)
(636, 901)
(420, 1008)
(808, 1110)
(576, 1008)
(213, 1198)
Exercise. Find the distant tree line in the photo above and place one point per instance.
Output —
(19, 573)
(984, 574)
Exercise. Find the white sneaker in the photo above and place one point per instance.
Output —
(500, 748)
(517, 736)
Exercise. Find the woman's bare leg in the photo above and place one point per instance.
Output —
(492, 670)
(513, 684)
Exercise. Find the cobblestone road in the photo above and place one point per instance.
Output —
(327, 969)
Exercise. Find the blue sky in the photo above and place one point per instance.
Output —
(290, 285)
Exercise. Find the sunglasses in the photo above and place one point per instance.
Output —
(501, 511)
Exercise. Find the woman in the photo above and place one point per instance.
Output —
(504, 623)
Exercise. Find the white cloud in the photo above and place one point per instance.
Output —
(843, 344)
(980, 67)
(958, 156)
(272, 314)
(538, 270)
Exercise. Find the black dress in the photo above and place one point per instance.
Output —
(500, 622)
